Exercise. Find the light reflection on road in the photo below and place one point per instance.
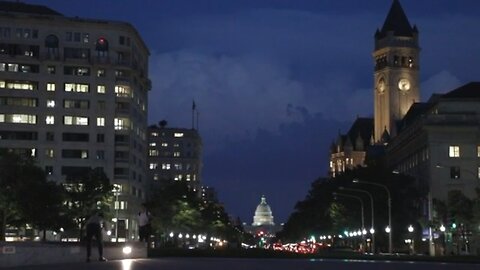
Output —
(127, 264)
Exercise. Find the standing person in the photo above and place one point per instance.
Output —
(94, 229)
(144, 226)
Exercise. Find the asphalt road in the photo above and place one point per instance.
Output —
(249, 264)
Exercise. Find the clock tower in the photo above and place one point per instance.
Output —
(396, 79)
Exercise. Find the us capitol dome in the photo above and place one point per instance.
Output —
(263, 224)
(263, 214)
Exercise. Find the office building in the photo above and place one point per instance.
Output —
(73, 95)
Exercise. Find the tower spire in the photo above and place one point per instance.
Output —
(396, 22)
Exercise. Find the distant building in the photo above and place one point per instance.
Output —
(73, 95)
(209, 194)
(350, 150)
(263, 223)
(174, 154)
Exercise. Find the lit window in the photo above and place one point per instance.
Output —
(100, 121)
(187, 177)
(75, 120)
(21, 85)
(176, 154)
(76, 87)
(2, 84)
(478, 151)
(50, 120)
(178, 166)
(101, 72)
(178, 135)
(18, 118)
(84, 154)
(122, 123)
(50, 87)
(166, 166)
(164, 144)
(122, 91)
(454, 151)
(49, 153)
(153, 152)
(101, 89)
(153, 166)
(153, 144)
(50, 103)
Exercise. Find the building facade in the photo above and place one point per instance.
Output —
(396, 79)
(350, 150)
(73, 95)
(174, 154)
(439, 143)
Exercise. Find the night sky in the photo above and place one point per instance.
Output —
(274, 80)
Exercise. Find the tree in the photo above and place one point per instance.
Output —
(26, 195)
(11, 166)
(86, 193)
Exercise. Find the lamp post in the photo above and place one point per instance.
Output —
(410, 230)
(116, 189)
(361, 209)
(361, 204)
(372, 230)
(389, 205)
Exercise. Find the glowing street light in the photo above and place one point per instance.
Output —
(389, 204)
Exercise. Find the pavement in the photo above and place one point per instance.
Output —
(248, 264)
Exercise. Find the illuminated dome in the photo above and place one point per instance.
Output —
(263, 214)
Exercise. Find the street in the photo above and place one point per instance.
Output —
(250, 264)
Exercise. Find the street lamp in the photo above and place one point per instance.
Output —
(362, 212)
(372, 230)
(412, 241)
(117, 188)
(361, 204)
(389, 204)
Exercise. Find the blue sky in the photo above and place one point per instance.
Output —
(275, 80)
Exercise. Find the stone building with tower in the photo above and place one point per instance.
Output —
(396, 87)
(437, 142)
(74, 95)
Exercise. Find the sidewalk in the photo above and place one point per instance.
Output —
(14, 254)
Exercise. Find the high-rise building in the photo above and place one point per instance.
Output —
(174, 154)
(73, 95)
(396, 79)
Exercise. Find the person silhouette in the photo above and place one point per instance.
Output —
(94, 229)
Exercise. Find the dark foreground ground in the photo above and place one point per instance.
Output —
(186, 263)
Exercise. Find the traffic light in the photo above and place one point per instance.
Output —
(453, 224)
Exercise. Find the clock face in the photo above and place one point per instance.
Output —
(381, 85)
(404, 84)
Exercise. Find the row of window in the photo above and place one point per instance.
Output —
(25, 33)
(454, 151)
(397, 61)
(68, 120)
(22, 68)
(120, 90)
(178, 177)
(169, 166)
